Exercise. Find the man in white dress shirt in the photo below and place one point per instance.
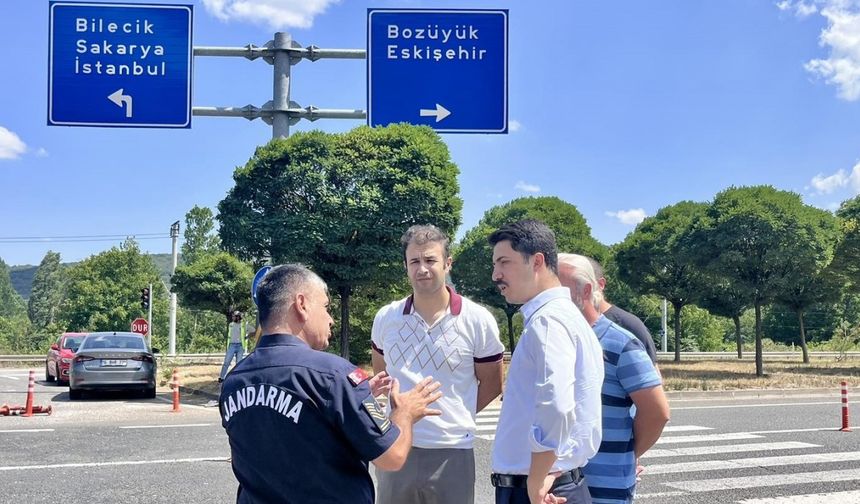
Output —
(550, 423)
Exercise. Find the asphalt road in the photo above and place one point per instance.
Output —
(119, 448)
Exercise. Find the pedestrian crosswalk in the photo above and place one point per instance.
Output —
(697, 463)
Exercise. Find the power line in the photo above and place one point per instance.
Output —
(82, 238)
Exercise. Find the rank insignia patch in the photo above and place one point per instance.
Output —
(376, 414)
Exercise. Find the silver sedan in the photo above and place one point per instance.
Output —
(113, 361)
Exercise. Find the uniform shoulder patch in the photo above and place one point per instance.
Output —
(358, 376)
(376, 414)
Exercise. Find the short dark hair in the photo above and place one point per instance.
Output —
(420, 234)
(528, 237)
(279, 285)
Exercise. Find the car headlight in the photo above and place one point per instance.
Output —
(66, 360)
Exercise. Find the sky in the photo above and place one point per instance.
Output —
(618, 107)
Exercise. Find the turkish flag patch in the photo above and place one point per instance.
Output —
(358, 376)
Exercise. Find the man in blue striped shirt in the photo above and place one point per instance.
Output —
(630, 379)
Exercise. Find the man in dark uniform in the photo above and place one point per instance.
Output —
(302, 423)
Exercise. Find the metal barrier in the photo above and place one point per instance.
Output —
(662, 356)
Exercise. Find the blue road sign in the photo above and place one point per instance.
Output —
(257, 278)
(115, 64)
(447, 69)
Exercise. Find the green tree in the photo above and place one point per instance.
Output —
(47, 292)
(200, 237)
(806, 290)
(103, 292)
(702, 331)
(219, 283)
(721, 297)
(846, 260)
(760, 238)
(11, 304)
(340, 203)
(473, 261)
(653, 259)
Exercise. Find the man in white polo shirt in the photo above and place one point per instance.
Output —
(550, 424)
(436, 332)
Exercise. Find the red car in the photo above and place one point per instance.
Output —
(60, 356)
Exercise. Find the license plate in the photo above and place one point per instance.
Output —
(113, 362)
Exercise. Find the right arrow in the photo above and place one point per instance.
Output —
(119, 99)
(440, 112)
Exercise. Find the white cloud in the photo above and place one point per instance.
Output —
(841, 36)
(801, 8)
(630, 217)
(826, 184)
(276, 14)
(514, 126)
(41, 152)
(522, 186)
(11, 147)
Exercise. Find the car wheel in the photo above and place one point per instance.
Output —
(48, 376)
(149, 393)
(75, 394)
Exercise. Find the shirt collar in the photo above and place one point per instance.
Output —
(280, 339)
(600, 324)
(456, 302)
(535, 303)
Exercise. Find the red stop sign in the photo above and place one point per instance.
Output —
(140, 326)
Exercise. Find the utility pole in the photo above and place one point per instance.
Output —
(149, 319)
(665, 327)
(174, 235)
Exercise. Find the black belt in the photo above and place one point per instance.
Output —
(520, 480)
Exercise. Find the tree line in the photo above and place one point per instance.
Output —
(340, 202)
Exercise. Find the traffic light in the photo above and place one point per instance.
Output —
(144, 298)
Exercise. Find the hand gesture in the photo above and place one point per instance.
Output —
(539, 490)
(380, 384)
(414, 404)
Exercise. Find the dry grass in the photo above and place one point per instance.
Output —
(688, 375)
(739, 375)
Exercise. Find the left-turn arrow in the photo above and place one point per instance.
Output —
(121, 99)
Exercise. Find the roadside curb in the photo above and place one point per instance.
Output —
(752, 393)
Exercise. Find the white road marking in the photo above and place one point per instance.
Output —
(486, 428)
(768, 480)
(117, 463)
(719, 465)
(164, 426)
(9, 377)
(849, 497)
(685, 428)
(726, 406)
(712, 450)
(732, 436)
(12, 431)
(659, 494)
(790, 431)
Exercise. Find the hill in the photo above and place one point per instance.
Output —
(22, 275)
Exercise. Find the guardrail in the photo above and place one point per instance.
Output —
(183, 358)
(208, 358)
